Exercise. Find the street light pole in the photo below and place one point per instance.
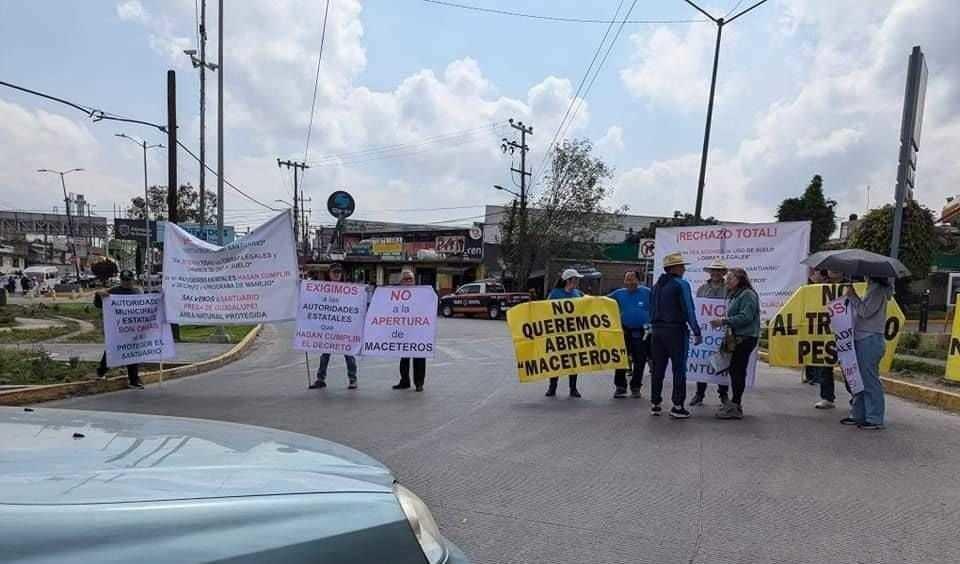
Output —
(701, 181)
(204, 66)
(148, 260)
(220, 126)
(66, 202)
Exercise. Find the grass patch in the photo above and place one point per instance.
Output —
(35, 335)
(918, 367)
(205, 333)
(32, 367)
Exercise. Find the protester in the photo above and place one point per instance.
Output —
(743, 317)
(870, 318)
(822, 375)
(12, 284)
(634, 302)
(419, 364)
(565, 288)
(714, 287)
(127, 286)
(335, 274)
(673, 318)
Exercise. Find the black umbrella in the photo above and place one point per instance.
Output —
(857, 262)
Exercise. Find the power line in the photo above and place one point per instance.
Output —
(734, 9)
(316, 82)
(413, 151)
(333, 157)
(556, 18)
(225, 181)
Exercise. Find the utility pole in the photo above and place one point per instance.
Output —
(304, 222)
(172, 183)
(204, 66)
(296, 166)
(512, 147)
(220, 126)
(148, 262)
(713, 89)
(66, 201)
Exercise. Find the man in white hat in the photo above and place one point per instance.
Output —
(673, 318)
(714, 287)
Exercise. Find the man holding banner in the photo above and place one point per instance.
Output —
(127, 287)
(330, 318)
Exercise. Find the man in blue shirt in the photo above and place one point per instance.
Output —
(634, 302)
(672, 318)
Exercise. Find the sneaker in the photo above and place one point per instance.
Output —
(824, 404)
(352, 386)
(696, 401)
(419, 388)
(849, 421)
(730, 411)
(871, 426)
(656, 410)
(402, 386)
(679, 413)
(574, 393)
(551, 392)
(724, 400)
(620, 393)
(317, 385)
(635, 393)
(137, 385)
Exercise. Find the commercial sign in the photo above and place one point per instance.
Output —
(135, 330)
(451, 244)
(208, 233)
(330, 317)
(401, 322)
(699, 365)
(133, 230)
(252, 280)
(341, 205)
(769, 252)
(560, 337)
(25, 223)
(387, 247)
(801, 332)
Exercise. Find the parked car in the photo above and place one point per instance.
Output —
(85, 486)
(486, 297)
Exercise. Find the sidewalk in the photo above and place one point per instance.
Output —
(186, 352)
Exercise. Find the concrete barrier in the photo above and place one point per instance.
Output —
(52, 392)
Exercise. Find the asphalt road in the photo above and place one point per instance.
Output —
(514, 477)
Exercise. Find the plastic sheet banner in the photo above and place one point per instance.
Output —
(135, 330)
(769, 252)
(561, 337)
(953, 354)
(330, 317)
(699, 367)
(401, 322)
(252, 280)
(841, 322)
(801, 335)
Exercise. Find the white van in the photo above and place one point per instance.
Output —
(45, 278)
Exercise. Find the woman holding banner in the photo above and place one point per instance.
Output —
(743, 318)
(870, 319)
(566, 288)
(407, 278)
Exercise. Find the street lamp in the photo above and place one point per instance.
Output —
(284, 202)
(146, 200)
(202, 64)
(713, 88)
(66, 201)
(507, 190)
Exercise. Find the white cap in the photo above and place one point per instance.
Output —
(570, 273)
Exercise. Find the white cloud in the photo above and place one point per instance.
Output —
(612, 140)
(132, 10)
(836, 141)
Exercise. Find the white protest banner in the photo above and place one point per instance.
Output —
(401, 322)
(330, 317)
(769, 252)
(841, 322)
(135, 330)
(699, 367)
(252, 280)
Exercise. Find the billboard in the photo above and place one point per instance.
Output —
(25, 223)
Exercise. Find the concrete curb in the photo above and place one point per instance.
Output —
(935, 397)
(52, 392)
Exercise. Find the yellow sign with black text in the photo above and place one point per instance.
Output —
(800, 333)
(561, 337)
(953, 352)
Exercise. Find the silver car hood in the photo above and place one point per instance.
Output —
(63, 457)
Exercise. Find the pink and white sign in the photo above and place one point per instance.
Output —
(401, 322)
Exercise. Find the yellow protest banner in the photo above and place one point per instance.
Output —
(800, 333)
(953, 352)
(561, 337)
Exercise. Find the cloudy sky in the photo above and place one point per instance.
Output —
(414, 96)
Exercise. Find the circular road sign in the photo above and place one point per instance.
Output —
(341, 205)
(646, 249)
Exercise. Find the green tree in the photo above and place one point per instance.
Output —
(567, 219)
(816, 208)
(679, 219)
(104, 270)
(918, 240)
(188, 204)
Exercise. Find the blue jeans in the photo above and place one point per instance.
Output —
(325, 360)
(868, 405)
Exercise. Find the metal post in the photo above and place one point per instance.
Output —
(203, 119)
(172, 185)
(924, 311)
(71, 238)
(148, 261)
(220, 126)
(706, 132)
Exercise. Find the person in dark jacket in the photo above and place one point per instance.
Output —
(565, 288)
(743, 318)
(634, 303)
(335, 274)
(128, 285)
(407, 278)
(715, 287)
(673, 318)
